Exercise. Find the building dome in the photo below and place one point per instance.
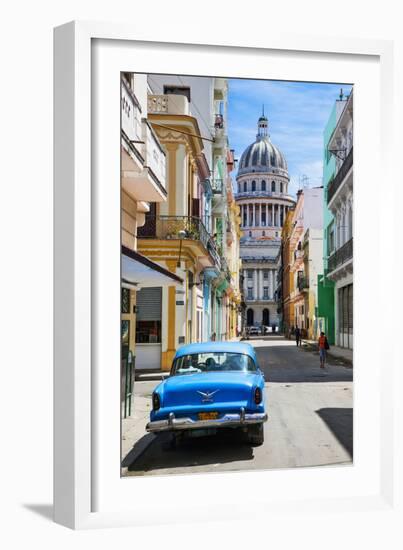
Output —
(262, 155)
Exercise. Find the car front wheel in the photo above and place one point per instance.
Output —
(256, 435)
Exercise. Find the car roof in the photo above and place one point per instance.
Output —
(205, 347)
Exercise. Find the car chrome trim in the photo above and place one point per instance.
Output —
(228, 420)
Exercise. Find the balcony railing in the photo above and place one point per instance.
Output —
(217, 186)
(154, 155)
(342, 255)
(339, 177)
(168, 104)
(219, 122)
(179, 227)
(303, 283)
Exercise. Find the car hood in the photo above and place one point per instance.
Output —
(225, 387)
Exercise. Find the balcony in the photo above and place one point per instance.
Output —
(168, 104)
(179, 228)
(217, 186)
(335, 184)
(341, 256)
(144, 177)
(131, 124)
(303, 284)
(220, 88)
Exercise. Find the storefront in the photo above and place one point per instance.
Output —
(141, 298)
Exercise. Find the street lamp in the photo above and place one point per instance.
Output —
(181, 235)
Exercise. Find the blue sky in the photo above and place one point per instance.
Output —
(297, 113)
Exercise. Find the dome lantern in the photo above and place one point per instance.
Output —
(262, 126)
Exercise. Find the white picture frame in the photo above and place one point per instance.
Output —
(88, 489)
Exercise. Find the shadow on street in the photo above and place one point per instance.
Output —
(216, 449)
(287, 363)
(340, 423)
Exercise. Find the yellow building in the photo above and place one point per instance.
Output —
(174, 235)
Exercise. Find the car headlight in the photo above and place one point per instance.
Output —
(156, 401)
(258, 396)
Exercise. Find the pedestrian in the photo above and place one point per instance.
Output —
(298, 336)
(213, 336)
(323, 345)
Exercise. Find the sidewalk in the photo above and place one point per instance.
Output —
(135, 439)
(335, 352)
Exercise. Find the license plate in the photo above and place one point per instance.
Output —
(208, 416)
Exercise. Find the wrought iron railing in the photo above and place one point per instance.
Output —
(341, 255)
(303, 283)
(179, 227)
(217, 185)
(339, 177)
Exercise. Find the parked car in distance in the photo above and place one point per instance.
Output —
(254, 331)
(212, 385)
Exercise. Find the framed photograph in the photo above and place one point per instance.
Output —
(206, 330)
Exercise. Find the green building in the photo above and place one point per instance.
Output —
(326, 313)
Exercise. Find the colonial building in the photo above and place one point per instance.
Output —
(143, 181)
(302, 262)
(263, 198)
(325, 285)
(340, 203)
(187, 234)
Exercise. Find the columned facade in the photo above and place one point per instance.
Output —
(263, 199)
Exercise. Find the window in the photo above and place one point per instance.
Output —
(239, 187)
(273, 186)
(263, 233)
(148, 332)
(212, 362)
(263, 185)
(264, 219)
(245, 186)
(266, 292)
(250, 293)
(178, 90)
(281, 187)
(250, 273)
(253, 185)
(265, 274)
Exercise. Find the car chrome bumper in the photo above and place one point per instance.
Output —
(228, 420)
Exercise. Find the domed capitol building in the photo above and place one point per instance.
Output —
(262, 195)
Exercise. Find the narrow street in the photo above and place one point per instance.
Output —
(310, 421)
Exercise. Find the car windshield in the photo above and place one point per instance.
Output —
(213, 362)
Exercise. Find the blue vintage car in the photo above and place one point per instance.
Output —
(211, 385)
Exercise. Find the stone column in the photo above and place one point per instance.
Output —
(247, 215)
(255, 285)
(271, 284)
(245, 283)
(267, 214)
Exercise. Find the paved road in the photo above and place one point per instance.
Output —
(310, 421)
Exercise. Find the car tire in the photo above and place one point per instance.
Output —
(256, 435)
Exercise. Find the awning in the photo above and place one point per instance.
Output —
(139, 271)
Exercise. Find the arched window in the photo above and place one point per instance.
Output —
(281, 187)
(263, 233)
(253, 185)
(266, 317)
(263, 185)
(239, 187)
(249, 317)
(245, 186)
(273, 186)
